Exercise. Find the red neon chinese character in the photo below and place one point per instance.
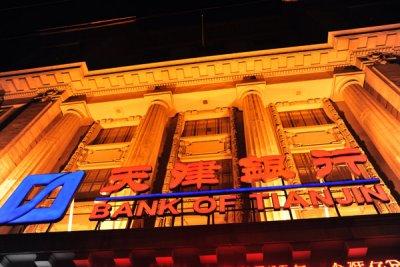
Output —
(127, 176)
(336, 265)
(198, 173)
(375, 264)
(393, 263)
(355, 264)
(264, 169)
(326, 159)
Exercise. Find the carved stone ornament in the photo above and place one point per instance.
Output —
(49, 95)
(381, 57)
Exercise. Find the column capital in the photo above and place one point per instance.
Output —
(342, 79)
(244, 89)
(161, 98)
(78, 106)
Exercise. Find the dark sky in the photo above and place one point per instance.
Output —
(105, 34)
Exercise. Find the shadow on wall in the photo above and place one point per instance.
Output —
(2, 93)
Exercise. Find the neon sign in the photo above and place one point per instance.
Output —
(371, 263)
(352, 263)
(205, 204)
(14, 211)
(263, 169)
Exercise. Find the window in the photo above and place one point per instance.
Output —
(92, 183)
(206, 127)
(47, 201)
(301, 118)
(189, 217)
(114, 135)
(304, 165)
(308, 173)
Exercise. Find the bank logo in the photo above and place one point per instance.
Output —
(14, 211)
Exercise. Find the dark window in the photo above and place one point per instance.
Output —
(92, 183)
(305, 168)
(206, 127)
(114, 135)
(308, 172)
(189, 217)
(300, 118)
(4, 110)
(47, 201)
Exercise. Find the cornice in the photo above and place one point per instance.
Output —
(341, 49)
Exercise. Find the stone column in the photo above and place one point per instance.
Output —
(144, 148)
(261, 140)
(43, 157)
(382, 128)
(259, 130)
(27, 128)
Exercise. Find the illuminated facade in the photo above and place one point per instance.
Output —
(208, 124)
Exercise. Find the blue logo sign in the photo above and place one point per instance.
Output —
(14, 211)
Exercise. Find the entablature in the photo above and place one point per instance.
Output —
(342, 49)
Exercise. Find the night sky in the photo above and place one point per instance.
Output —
(119, 33)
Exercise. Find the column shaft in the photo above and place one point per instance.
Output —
(261, 140)
(382, 128)
(145, 147)
(44, 156)
(383, 85)
(259, 130)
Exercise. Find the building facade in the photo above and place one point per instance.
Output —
(282, 157)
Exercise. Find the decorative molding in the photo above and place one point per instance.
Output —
(77, 107)
(283, 141)
(89, 137)
(377, 56)
(341, 80)
(313, 103)
(31, 94)
(341, 49)
(238, 215)
(205, 147)
(173, 157)
(121, 122)
(305, 139)
(192, 115)
(381, 58)
(102, 156)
